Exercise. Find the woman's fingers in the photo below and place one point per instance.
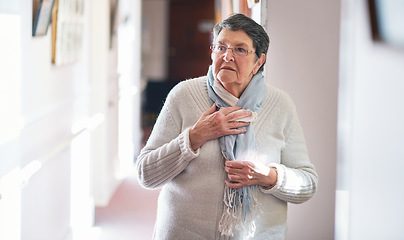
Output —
(240, 174)
(223, 122)
(234, 113)
(246, 173)
(227, 110)
(239, 114)
(234, 184)
(236, 125)
(241, 168)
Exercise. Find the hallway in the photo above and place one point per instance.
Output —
(71, 104)
(130, 214)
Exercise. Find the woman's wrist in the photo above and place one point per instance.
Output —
(272, 178)
(194, 140)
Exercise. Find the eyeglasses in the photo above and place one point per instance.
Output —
(221, 49)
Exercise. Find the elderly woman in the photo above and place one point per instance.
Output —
(227, 150)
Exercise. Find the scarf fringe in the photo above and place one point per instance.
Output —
(239, 205)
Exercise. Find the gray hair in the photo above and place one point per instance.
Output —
(254, 30)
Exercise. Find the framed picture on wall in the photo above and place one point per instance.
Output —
(114, 7)
(42, 11)
(67, 31)
(387, 18)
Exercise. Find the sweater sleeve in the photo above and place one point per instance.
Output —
(297, 177)
(166, 154)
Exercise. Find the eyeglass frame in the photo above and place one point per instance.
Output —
(213, 46)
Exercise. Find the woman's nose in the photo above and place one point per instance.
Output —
(228, 55)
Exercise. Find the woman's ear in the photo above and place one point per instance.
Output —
(259, 63)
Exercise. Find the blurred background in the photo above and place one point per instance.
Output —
(82, 82)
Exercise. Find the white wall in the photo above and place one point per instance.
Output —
(50, 100)
(371, 138)
(303, 61)
(61, 124)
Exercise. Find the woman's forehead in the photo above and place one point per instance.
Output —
(236, 38)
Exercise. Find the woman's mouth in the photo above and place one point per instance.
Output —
(227, 68)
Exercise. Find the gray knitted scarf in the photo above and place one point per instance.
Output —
(239, 203)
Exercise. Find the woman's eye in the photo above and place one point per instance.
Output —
(241, 50)
(221, 48)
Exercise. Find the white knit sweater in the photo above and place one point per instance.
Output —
(190, 204)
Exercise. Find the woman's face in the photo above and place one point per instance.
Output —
(232, 71)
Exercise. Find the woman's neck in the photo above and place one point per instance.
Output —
(235, 89)
(225, 95)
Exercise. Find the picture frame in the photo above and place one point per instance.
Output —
(42, 12)
(114, 7)
(67, 31)
(386, 19)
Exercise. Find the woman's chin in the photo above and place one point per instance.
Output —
(226, 77)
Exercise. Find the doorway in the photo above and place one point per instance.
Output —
(176, 36)
(190, 27)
